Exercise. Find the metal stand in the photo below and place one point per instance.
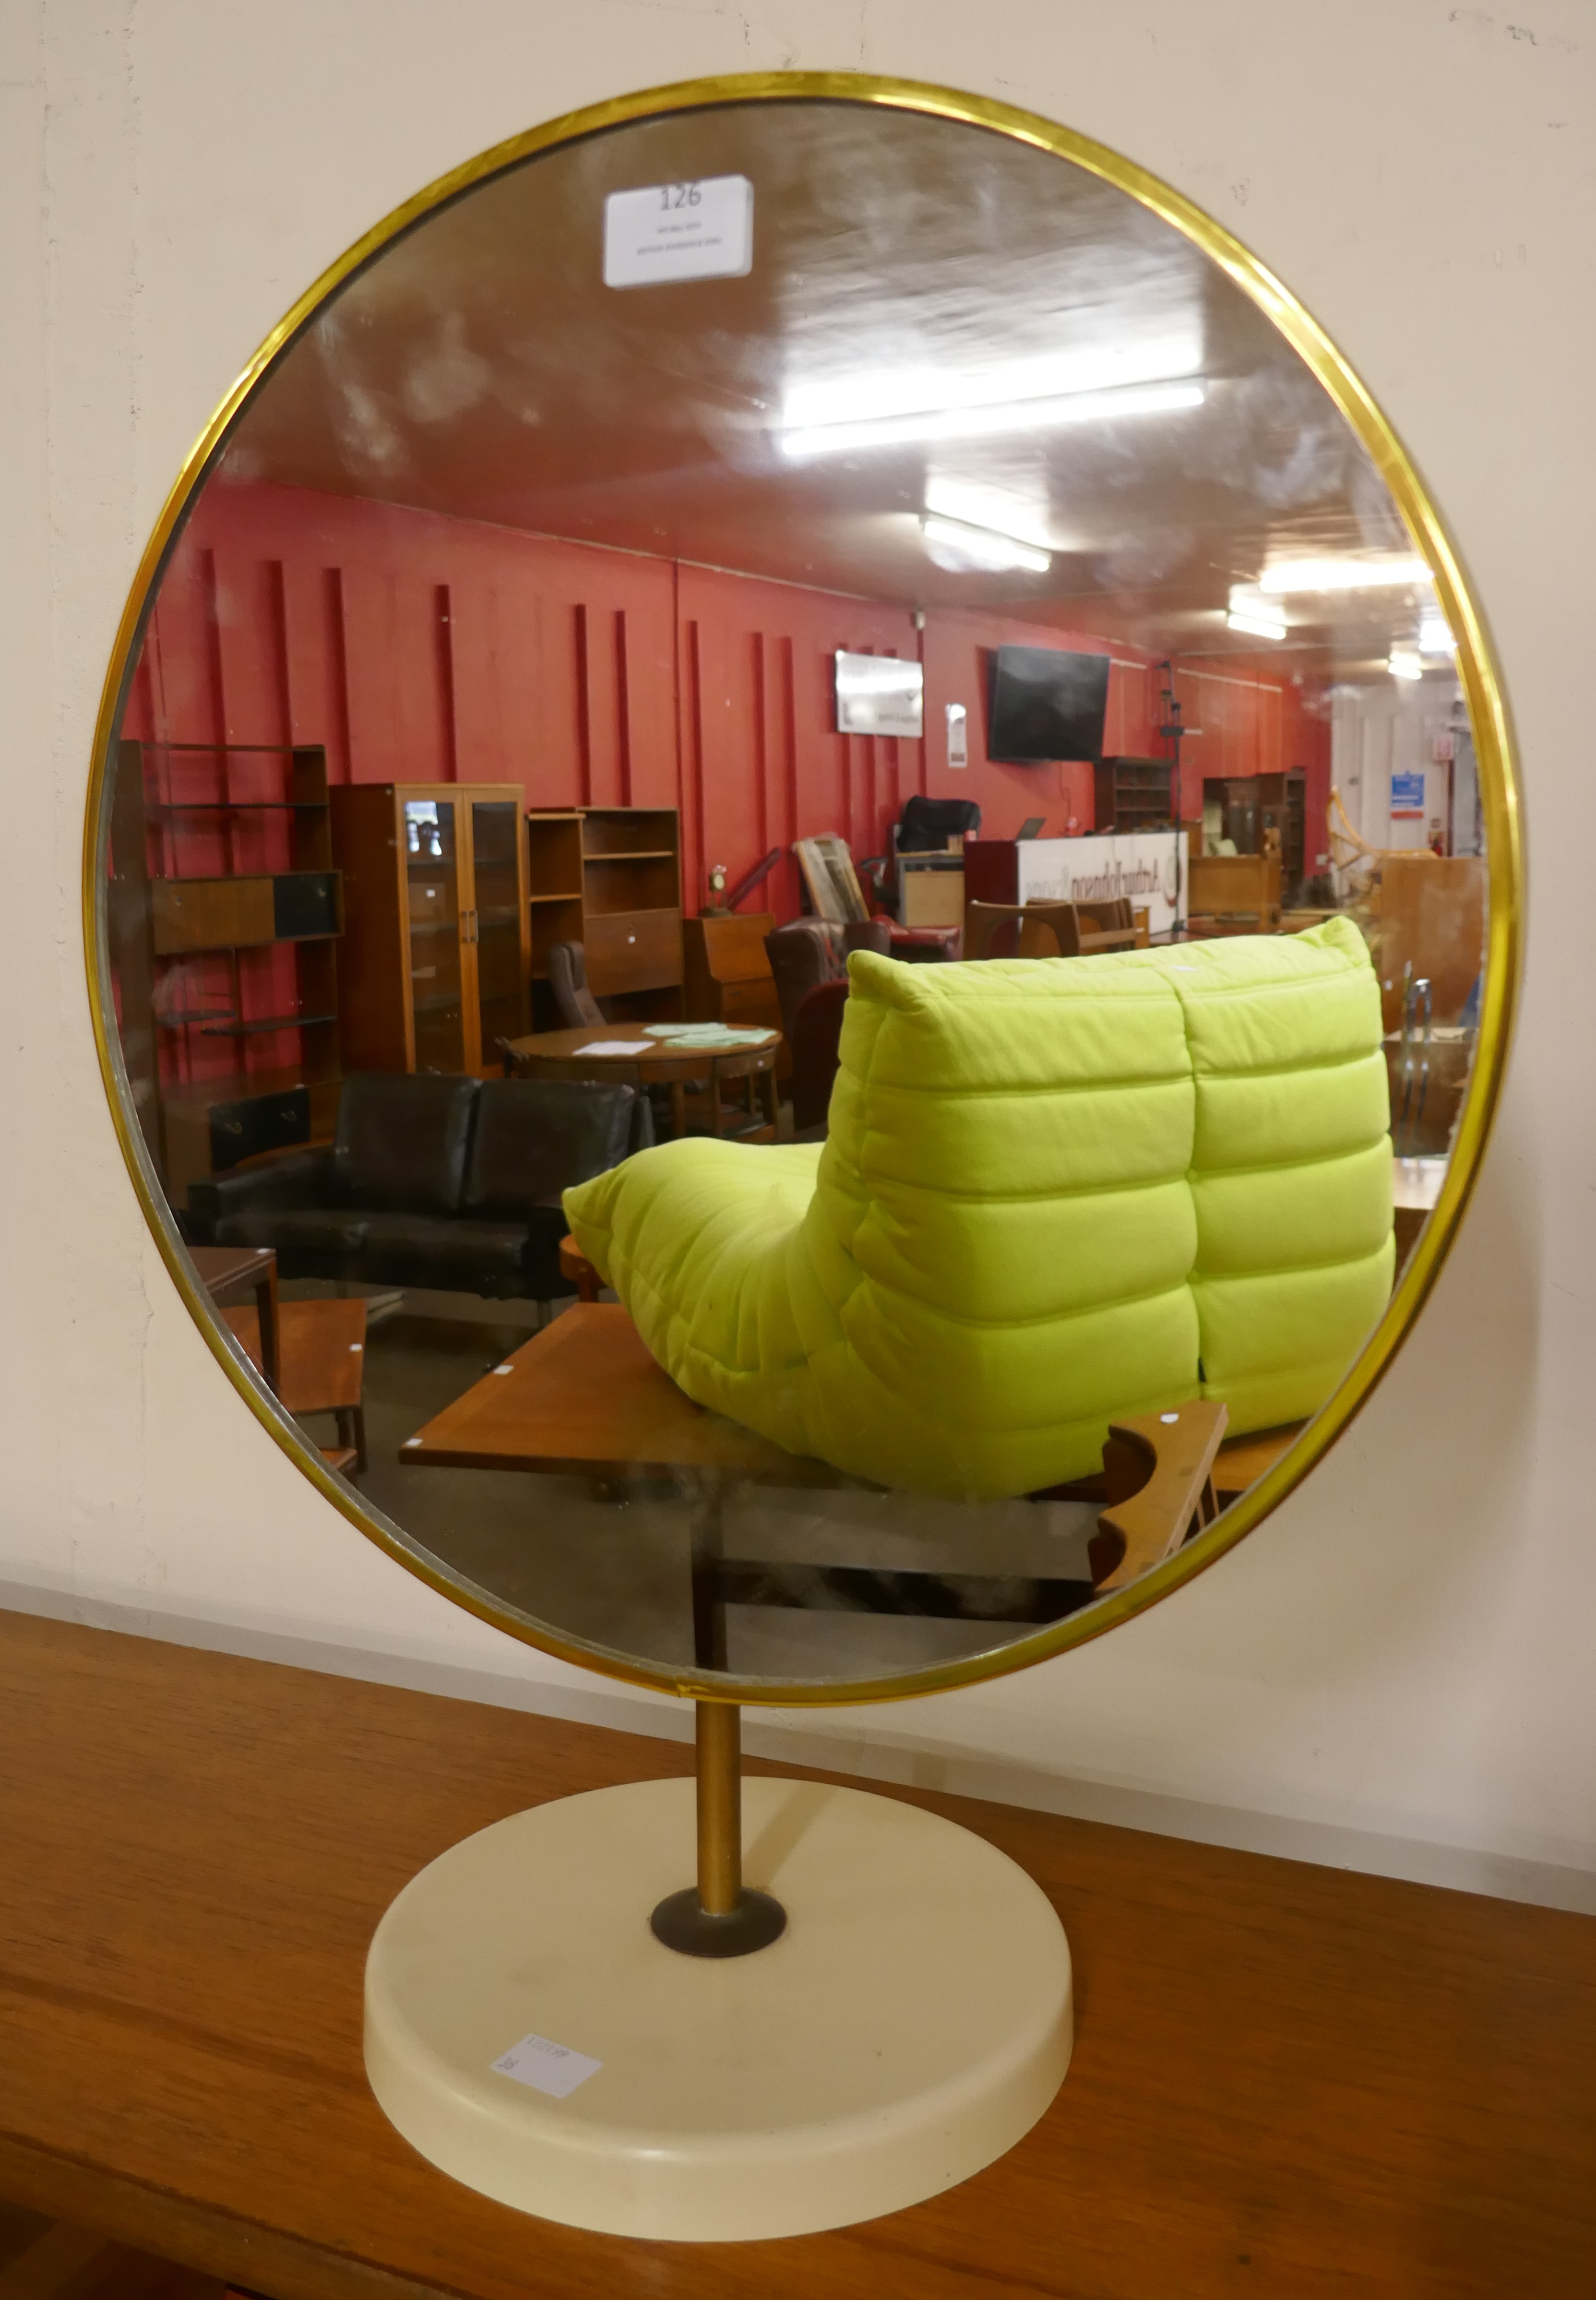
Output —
(718, 1916)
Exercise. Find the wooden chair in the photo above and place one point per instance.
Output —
(568, 979)
(755, 1072)
(1033, 929)
(1111, 926)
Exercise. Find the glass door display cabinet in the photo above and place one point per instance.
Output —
(436, 922)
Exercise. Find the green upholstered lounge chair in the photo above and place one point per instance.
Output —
(1055, 1192)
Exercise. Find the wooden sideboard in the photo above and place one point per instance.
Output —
(1288, 2080)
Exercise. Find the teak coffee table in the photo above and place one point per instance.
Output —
(584, 1398)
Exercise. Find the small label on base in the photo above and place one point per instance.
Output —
(546, 2067)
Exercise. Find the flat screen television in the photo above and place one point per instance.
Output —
(1046, 704)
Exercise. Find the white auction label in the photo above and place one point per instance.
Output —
(546, 2067)
(679, 231)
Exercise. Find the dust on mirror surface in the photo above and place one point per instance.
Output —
(491, 715)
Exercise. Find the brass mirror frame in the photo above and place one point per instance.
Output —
(1488, 711)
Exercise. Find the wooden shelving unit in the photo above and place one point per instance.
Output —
(1135, 795)
(190, 949)
(608, 878)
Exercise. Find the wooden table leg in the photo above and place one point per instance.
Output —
(709, 1600)
(266, 1306)
(679, 1109)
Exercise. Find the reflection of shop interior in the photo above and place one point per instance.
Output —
(489, 713)
(281, 921)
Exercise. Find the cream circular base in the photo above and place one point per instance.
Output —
(910, 2024)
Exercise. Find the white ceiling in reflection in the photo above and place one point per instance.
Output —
(903, 266)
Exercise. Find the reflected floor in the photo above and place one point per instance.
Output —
(612, 1566)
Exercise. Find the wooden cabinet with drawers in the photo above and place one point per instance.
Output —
(610, 878)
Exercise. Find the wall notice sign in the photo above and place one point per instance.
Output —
(957, 735)
(546, 2067)
(679, 231)
(1408, 793)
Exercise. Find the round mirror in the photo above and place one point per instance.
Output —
(802, 889)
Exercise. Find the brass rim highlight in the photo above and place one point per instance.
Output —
(1493, 747)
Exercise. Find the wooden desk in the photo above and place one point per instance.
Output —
(727, 970)
(1289, 2083)
(1231, 886)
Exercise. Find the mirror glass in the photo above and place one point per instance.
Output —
(838, 644)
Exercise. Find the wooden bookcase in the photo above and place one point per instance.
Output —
(1134, 795)
(608, 878)
(436, 945)
(234, 953)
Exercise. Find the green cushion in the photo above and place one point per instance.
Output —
(1055, 1192)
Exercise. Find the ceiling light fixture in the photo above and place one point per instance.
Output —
(1023, 513)
(1434, 636)
(1255, 626)
(989, 419)
(1342, 575)
(1405, 663)
(954, 544)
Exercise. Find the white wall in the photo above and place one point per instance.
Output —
(1396, 1670)
(1385, 730)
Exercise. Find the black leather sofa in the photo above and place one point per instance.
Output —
(433, 1181)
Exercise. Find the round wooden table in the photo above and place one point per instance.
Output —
(658, 1062)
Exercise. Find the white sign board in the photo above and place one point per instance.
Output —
(879, 695)
(1145, 867)
(679, 231)
(957, 735)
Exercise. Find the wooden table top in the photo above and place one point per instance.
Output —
(1288, 2080)
(571, 1046)
(584, 1398)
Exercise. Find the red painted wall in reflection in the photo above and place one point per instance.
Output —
(421, 647)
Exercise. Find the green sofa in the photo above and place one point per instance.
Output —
(1055, 1192)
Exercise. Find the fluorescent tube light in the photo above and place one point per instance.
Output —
(1342, 574)
(1258, 627)
(1024, 515)
(906, 388)
(955, 544)
(1434, 636)
(1405, 663)
(989, 419)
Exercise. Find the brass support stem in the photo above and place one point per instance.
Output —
(719, 1807)
(717, 1917)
